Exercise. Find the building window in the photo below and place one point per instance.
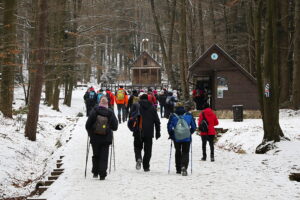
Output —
(145, 61)
(222, 85)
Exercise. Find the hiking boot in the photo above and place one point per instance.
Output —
(102, 178)
(212, 159)
(138, 164)
(147, 170)
(183, 171)
(95, 175)
(203, 159)
(178, 172)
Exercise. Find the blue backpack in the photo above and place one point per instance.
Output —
(182, 129)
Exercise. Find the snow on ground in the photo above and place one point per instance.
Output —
(242, 175)
(23, 163)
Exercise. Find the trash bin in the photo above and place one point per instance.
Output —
(237, 113)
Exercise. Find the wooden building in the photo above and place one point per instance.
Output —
(226, 82)
(146, 71)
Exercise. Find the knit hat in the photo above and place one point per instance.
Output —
(103, 102)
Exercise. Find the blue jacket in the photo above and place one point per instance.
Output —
(188, 117)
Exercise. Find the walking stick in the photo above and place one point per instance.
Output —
(170, 158)
(191, 157)
(113, 146)
(110, 158)
(87, 155)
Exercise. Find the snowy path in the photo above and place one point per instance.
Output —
(232, 176)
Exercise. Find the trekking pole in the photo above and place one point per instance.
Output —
(87, 155)
(191, 157)
(170, 158)
(113, 146)
(110, 158)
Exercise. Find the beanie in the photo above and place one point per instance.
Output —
(103, 102)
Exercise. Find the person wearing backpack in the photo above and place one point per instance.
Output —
(111, 99)
(121, 101)
(99, 95)
(90, 99)
(100, 126)
(181, 126)
(152, 98)
(134, 98)
(207, 120)
(144, 118)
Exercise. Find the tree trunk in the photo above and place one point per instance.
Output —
(212, 20)
(201, 27)
(9, 60)
(56, 94)
(49, 85)
(283, 43)
(296, 72)
(36, 89)
(272, 130)
(183, 52)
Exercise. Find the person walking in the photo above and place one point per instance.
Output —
(134, 98)
(162, 103)
(90, 99)
(143, 137)
(170, 104)
(100, 126)
(121, 101)
(212, 120)
(99, 95)
(111, 99)
(181, 126)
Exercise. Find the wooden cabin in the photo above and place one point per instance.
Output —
(226, 82)
(146, 71)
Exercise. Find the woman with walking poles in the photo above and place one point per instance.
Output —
(181, 126)
(100, 126)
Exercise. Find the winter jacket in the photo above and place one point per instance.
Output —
(162, 99)
(188, 117)
(90, 98)
(211, 119)
(149, 119)
(112, 121)
(152, 99)
(112, 98)
(99, 96)
(123, 101)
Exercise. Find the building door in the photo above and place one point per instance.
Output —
(206, 83)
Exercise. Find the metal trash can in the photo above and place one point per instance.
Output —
(237, 113)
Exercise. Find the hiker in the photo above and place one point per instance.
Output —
(170, 103)
(147, 119)
(209, 136)
(181, 126)
(162, 102)
(111, 99)
(121, 101)
(90, 99)
(134, 98)
(99, 95)
(100, 126)
(151, 98)
(199, 96)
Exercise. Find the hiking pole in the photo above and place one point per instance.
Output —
(191, 157)
(170, 158)
(87, 155)
(110, 158)
(113, 146)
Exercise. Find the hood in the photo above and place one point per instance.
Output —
(102, 111)
(145, 104)
(208, 111)
(180, 110)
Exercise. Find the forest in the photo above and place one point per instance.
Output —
(52, 46)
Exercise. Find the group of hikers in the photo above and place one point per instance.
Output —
(140, 113)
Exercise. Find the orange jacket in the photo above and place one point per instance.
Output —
(123, 101)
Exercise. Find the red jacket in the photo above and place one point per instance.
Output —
(211, 119)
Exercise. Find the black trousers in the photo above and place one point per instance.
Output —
(121, 108)
(162, 111)
(210, 139)
(100, 159)
(182, 150)
(141, 143)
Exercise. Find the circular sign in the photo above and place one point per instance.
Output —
(214, 56)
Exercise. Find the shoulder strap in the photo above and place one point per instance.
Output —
(203, 115)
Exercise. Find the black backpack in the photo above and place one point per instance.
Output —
(101, 125)
(203, 127)
(135, 119)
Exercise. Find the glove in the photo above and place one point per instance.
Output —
(157, 135)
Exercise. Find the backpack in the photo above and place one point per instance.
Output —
(101, 125)
(92, 95)
(203, 127)
(169, 100)
(135, 120)
(120, 95)
(182, 129)
(135, 99)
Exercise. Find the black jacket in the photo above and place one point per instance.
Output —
(162, 99)
(113, 125)
(149, 119)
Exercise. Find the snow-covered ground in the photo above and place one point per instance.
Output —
(242, 175)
